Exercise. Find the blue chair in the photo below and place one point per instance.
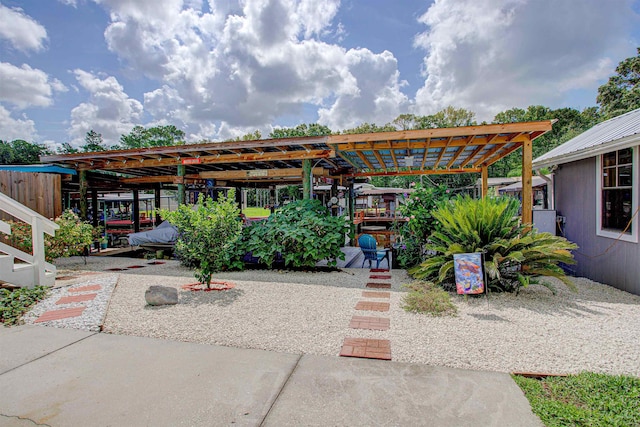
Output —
(369, 248)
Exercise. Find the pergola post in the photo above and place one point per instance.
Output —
(135, 211)
(181, 186)
(351, 204)
(306, 179)
(156, 203)
(82, 180)
(527, 191)
(94, 207)
(485, 180)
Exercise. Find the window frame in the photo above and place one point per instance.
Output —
(635, 189)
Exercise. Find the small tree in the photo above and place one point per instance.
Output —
(207, 233)
(70, 239)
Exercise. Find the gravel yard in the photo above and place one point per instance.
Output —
(595, 329)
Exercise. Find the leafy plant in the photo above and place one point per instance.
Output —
(429, 298)
(14, 303)
(587, 399)
(418, 207)
(207, 233)
(515, 255)
(409, 252)
(70, 239)
(302, 233)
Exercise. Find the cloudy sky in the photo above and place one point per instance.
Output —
(219, 69)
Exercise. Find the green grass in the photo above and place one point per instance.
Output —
(586, 399)
(256, 212)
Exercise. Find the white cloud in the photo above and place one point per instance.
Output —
(109, 110)
(241, 65)
(490, 55)
(11, 128)
(376, 93)
(27, 87)
(21, 30)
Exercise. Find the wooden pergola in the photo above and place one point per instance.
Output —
(469, 149)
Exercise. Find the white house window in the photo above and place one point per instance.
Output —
(617, 194)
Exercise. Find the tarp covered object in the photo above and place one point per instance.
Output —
(164, 233)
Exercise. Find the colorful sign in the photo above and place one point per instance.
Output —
(469, 276)
(191, 161)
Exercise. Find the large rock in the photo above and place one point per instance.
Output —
(161, 295)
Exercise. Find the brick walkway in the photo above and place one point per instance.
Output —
(77, 297)
(366, 347)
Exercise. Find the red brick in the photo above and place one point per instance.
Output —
(380, 276)
(64, 313)
(372, 306)
(375, 285)
(86, 288)
(135, 266)
(379, 270)
(76, 298)
(366, 322)
(366, 348)
(373, 294)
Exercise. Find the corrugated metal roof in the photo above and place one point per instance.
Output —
(598, 137)
(39, 168)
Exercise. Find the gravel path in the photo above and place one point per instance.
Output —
(595, 329)
(94, 313)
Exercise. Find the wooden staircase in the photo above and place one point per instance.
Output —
(20, 268)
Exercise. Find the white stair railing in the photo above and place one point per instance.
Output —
(39, 226)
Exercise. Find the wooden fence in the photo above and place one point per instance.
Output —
(38, 191)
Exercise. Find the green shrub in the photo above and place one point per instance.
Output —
(409, 252)
(70, 239)
(207, 234)
(13, 304)
(428, 298)
(515, 255)
(302, 233)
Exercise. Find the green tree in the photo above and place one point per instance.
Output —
(570, 123)
(405, 122)
(622, 92)
(447, 118)
(93, 142)
(313, 129)
(157, 136)
(207, 233)
(370, 128)
(21, 152)
(67, 148)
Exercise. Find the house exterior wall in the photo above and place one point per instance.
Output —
(575, 188)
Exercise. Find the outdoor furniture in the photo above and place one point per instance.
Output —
(369, 248)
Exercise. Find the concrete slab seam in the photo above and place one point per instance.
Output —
(47, 354)
(284, 384)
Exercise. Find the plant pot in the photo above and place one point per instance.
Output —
(103, 245)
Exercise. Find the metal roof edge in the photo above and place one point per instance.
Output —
(605, 147)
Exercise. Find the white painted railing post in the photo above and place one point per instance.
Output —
(37, 236)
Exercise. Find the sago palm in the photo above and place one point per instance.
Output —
(515, 255)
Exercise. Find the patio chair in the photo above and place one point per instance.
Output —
(368, 246)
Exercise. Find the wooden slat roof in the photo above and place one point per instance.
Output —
(433, 151)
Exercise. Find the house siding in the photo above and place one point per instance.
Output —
(597, 259)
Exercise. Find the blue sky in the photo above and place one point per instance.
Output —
(219, 69)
